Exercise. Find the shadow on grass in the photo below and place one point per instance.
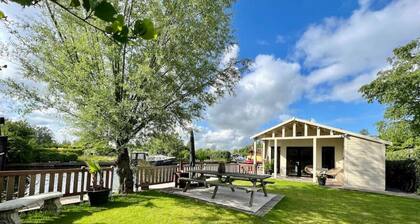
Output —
(304, 203)
(71, 213)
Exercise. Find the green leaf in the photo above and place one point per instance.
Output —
(145, 29)
(105, 11)
(2, 15)
(75, 3)
(94, 166)
(116, 26)
(122, 36)
(23, 2)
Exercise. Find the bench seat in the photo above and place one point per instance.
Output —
(9, 209)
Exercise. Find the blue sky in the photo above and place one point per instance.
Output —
(309, 59)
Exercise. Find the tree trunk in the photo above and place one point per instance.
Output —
(124, 171)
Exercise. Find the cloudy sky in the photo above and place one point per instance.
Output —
(309, 60)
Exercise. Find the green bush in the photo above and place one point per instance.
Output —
(396, 157)
(51, 155)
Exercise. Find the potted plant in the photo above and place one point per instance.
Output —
(269, 167)
(322, 178)
(98, 195)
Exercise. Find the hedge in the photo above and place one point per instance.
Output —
(401, 174)
(403, 170)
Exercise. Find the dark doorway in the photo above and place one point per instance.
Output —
(328, 157)
(297, 159)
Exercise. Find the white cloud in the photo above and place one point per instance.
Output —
(231, 53)
(346, 49)
(262, 95)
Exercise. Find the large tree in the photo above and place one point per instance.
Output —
(399, 87)
(121, 92)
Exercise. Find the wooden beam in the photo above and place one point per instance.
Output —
(294, 129)
(331, 132)
(304, 137)
(273, 134)
(318, 131)
(306, 130)
(275, 158)
(283, 132)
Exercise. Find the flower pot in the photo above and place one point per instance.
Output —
(98, 197)
(322, 181)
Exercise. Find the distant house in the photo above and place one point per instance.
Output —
(250, 156)
(297, 145)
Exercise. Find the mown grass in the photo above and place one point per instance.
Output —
(304, 203)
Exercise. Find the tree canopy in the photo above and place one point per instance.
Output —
(399, 86)
(124, 92)
(115, 25)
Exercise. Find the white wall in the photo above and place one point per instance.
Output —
(364, 164)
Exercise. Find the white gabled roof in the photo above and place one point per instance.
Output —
(323, 126)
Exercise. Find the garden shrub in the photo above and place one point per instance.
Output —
(47, 155)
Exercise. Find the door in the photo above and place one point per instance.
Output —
(297, 159)
(328, 157)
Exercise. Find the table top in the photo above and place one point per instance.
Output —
(232, 175)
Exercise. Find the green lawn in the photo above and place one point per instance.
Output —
(304, 203)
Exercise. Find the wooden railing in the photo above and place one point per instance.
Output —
(150, 175)
(21, 183)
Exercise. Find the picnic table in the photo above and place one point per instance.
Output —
(226, 180)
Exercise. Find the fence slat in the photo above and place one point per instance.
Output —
(60, 182)
(42, 183)
(76, 182)
(52, 180)
(108, 185)
(32, 184)
(82, 184)
(68, 179)
(88, 180)
(10, 187)
(21, 186)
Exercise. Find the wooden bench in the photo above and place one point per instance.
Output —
(189, 180)
(216, 185)
(9, 209)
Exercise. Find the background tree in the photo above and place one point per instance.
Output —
(242, 151)
(166, 144)
(29, 144)
(399, 87)
(124, 92)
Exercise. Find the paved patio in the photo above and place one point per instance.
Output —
(237, 200)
